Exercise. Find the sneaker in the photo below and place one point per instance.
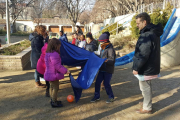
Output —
(56, 104)
(110, 100)
(95, 99)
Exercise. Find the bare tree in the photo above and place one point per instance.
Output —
(55, 8)
(38, 8)
(2, 9)
(16, 8)
(60, 10)
(46, 9)
(75, 8)
(85, 17)
(103, 9)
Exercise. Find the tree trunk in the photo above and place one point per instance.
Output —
(14, 26)
(73, 27)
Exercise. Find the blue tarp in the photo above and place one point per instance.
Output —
(72, 55)
(125, 59)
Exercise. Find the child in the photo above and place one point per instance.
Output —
(107, 69)
(63, 36)
(73, 39)
(76, 39)
(46, 37)
(54, 70)
(82, 42)
(41, 64)
(91, 44)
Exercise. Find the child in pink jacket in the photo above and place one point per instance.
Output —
(41, 66)
(54, 70)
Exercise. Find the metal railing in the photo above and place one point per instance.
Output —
(148, 8)
(175, 3)
(137, 11)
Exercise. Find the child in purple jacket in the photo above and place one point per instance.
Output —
(54, 70)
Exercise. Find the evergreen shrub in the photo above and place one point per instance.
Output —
(158, 16)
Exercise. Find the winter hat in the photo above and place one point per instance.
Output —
(89, 35)
(104, 37)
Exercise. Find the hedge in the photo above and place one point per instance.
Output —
(156, 17)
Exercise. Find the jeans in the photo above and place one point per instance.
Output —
(36, 76)
(145, 87)
(107, 78)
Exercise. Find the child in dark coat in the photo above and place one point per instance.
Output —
(91, 44)
(107, 69)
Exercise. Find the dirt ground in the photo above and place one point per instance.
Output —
(20, 99)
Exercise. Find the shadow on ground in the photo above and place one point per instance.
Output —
(28, 102)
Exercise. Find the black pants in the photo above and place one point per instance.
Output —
(47, 82)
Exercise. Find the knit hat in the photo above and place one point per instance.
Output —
(104, 37)
(89, 35)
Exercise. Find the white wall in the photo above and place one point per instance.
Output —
(89, 27)
(122, 19)
(178, 12)
(28, 23)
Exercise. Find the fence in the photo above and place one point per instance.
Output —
(175, 3)
(149, 8)
(145, 8)
(159, 5)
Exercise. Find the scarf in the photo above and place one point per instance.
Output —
(104, 45)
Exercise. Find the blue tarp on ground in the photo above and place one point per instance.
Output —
(72, 55)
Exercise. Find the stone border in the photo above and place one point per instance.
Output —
(15, 62)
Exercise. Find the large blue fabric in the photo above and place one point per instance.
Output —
(72, 55)
(125, 59)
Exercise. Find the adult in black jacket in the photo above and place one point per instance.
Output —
(107, 69)
(37, 42)
(146, 60)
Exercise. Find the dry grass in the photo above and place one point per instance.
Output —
(126, 42)
(15, 49)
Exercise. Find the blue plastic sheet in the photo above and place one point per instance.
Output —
(72, 55)
(173, 33)
(125, 59)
